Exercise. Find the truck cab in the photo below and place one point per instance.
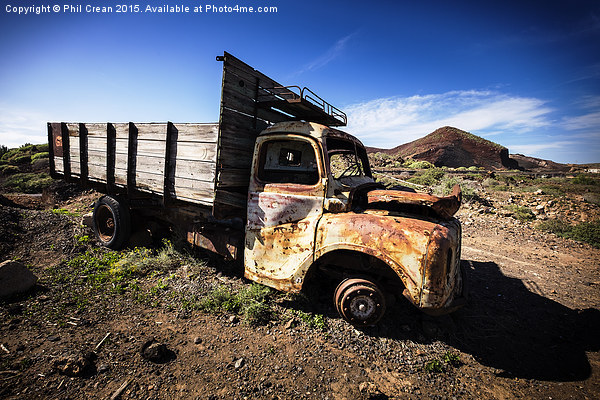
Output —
(315, 208)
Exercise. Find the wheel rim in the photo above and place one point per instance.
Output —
(360, 302)
(105, 222)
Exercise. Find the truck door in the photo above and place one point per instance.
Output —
(285, 203)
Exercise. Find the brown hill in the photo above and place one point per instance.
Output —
(453, 147)
(538, 164)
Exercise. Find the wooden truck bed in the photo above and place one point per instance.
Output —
(203, 164)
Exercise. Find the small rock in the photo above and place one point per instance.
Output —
(73, 365)
(103, 368)
(197, 340)
(239, 363)
(15, 278)
(156, 352)
(233, 319)
(53, 338)
(539, 191)
(87, 220)
(289, 324)
(368, 387)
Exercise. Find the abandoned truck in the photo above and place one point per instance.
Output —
(275, 184)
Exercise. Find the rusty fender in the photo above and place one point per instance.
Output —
(442, 279)
(411, 247)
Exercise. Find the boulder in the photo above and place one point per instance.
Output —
(15, 278)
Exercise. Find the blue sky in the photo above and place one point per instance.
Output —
(524, 74)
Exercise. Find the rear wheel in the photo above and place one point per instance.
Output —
(111, 222)
(360, 301)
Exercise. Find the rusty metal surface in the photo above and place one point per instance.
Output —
(445, 207)
(280, 226)
(399, 242)
(417, 250)
(226, 243)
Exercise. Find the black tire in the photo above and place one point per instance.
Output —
(360, 302)
(111, 222)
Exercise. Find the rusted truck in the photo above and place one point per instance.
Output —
(276, 184)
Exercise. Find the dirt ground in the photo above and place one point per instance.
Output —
(530, 329)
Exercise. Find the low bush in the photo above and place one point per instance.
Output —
(521, 213)
(20, 160)
(38, 156)
(588, 232)
(417, 164)
(28, 182)
(9, 169)
(251, 302)
(429, 177)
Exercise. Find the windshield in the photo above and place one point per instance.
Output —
(346, 159)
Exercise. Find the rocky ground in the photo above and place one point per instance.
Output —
(529, 330)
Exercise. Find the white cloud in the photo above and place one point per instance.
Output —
(533, 149)
(331, 54)
(391, 121)
(18, 127)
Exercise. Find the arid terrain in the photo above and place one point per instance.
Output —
(166, 322)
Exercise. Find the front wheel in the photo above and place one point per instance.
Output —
(111, 222)
(360, 301)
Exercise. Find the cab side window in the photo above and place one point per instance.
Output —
(288, 161)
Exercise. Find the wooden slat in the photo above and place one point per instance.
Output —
(151, 131)
(191, 132)
(83, 154)
(64, 131)
(131, 158)
(51, 164)
(232, 177)
(111, 146)
(169, 170)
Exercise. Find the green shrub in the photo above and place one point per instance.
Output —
(447, 183)
(251, 302)
(21, 160)
(9, 169)
(28, 182)
(588, 232)
(410, 163)
(42, 147)
(429, 177)
(584, 179)
(521, 213)
(38, 156)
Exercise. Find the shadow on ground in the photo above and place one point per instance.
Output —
(509, 327)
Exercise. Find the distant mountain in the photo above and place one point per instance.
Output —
(453, 147)
(538, 164)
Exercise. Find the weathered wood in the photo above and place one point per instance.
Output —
(111, 135)
(229, 198)
(192, 132)
(232, 177)
(131, 158)
(64, 130)
(51, 163)
(151, 131)
(170, 159)
(83, 154)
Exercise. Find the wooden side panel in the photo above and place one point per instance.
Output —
(193, 158)
(121, 146)
(74, 149)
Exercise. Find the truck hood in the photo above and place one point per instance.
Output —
(445, 207)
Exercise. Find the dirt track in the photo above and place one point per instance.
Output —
(529, 331)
